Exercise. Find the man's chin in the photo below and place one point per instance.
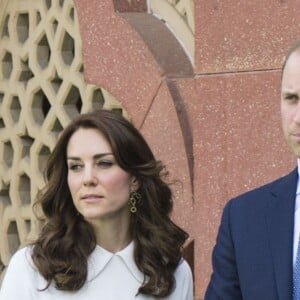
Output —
(296, 152)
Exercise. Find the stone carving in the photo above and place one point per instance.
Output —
(41, 89)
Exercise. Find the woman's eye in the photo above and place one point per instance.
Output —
(105, 163)
(74, 167)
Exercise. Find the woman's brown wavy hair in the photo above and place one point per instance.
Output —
(66, 240)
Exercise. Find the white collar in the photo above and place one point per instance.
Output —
(100, 257)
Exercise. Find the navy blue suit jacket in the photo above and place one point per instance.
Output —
(253, 255)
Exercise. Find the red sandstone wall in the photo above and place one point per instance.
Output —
(216, 126)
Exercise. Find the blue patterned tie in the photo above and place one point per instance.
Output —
(296, 276)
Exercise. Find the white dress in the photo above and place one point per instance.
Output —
(111, 276)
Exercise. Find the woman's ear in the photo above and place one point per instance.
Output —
(134, 184)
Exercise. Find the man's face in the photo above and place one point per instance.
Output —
(290, 102)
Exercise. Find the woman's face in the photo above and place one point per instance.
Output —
(99, 187)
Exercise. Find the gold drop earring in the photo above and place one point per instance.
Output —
(134, 197)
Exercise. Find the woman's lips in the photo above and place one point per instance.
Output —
(91, 198)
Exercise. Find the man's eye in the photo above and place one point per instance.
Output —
(292, 97)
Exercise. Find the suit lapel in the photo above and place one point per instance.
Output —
(280, 226)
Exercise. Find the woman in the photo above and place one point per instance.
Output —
(107, 233)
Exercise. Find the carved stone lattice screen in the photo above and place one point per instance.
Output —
(41, 89)
(179, 15)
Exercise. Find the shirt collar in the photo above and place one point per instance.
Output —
(101, 257)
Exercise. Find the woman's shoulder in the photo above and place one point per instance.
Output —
(184, 282)
(22, 258)
(183, 269)
(22, 274)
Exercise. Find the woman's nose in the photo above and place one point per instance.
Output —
(89, 177)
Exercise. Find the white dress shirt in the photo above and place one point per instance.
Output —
(111, 276)
(297, 216)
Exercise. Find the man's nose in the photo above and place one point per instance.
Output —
(297, 113)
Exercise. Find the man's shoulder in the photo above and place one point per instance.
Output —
(261, 193)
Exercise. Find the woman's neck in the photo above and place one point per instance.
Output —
(112, 235)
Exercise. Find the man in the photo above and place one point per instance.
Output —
(256, 249)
